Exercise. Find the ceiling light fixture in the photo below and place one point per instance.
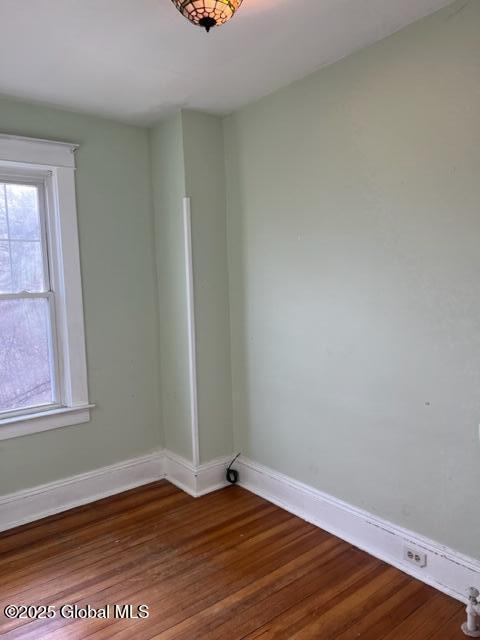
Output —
(207, 13)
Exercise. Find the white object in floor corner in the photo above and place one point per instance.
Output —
(447, 570)
(471, 627)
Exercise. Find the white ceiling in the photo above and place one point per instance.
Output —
(136, 60)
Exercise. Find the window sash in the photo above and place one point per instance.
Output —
(53, 351)
(36, 179)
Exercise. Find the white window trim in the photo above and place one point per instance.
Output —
(57, 161)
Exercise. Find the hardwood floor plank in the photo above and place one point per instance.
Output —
(426, 620)
(228, 564)
(354, 607)
(16, 539)
(156, 562)
(390, 610)
(252, 613)
(336, 581)
(155, 538)
(168, 568)
(174, 604)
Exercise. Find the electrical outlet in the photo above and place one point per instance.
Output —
(415, 556)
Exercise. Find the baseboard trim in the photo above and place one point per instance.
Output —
(197, 481)
(39, 502)
(446, 570)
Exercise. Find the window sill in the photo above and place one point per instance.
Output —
(25, 425)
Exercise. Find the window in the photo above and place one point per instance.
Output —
(28, 369)
(43, 381)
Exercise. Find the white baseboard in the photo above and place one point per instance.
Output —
(197, 481)
(39, 502)
(32, 504)
(446, 570)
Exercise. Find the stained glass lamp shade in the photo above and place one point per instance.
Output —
(207, 13)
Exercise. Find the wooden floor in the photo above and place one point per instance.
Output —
(229, 565)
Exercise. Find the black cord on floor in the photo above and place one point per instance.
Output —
(232, 474)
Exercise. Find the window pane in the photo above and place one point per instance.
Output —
(3, 215)
(21, 260)
(27, 266)
(26, 378)
(5, 274)
(23, 212)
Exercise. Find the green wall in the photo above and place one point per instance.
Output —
(120, 302)
(351, 306)
(188, 160)
(354, 225)
(205, 184)
(130, 185)
(168, 181)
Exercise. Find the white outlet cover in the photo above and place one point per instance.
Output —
(415, 556)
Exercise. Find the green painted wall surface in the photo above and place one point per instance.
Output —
(354, 225)
(205, 184)
(168, 179)
(118, 269)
